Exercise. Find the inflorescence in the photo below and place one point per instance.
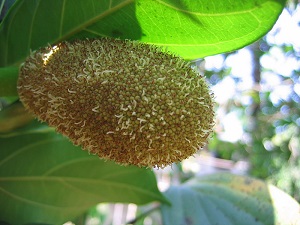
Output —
(122, 100)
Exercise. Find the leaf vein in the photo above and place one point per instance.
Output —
(64, 208)
(69, 162)
(8, 31)
(15, 153)
(31, 24)
(107, 183)
(62, 17)
(206, 14)
(92, 20)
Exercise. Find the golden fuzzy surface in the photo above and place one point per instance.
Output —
(122, 100)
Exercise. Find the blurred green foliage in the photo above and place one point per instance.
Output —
(270, 116)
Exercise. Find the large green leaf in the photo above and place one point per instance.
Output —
(228, 199)
(190, 28)
(198, 28)
(45, 179)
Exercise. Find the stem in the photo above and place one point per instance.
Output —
(143, 215)
(8, 81)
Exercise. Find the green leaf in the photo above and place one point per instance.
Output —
(228, 199)
(199, 28)
(45, 179)
(190, 28)
(8, 79)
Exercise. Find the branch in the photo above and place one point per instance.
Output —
(143, 215)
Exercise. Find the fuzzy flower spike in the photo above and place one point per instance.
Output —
(122, 100)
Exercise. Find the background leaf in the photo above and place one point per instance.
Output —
(45, 179)
(228, 199)
(8, 78)
(191, 29)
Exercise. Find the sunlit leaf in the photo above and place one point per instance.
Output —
(228, 199)
(198, 28)
(189, 28)
(45, 179)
